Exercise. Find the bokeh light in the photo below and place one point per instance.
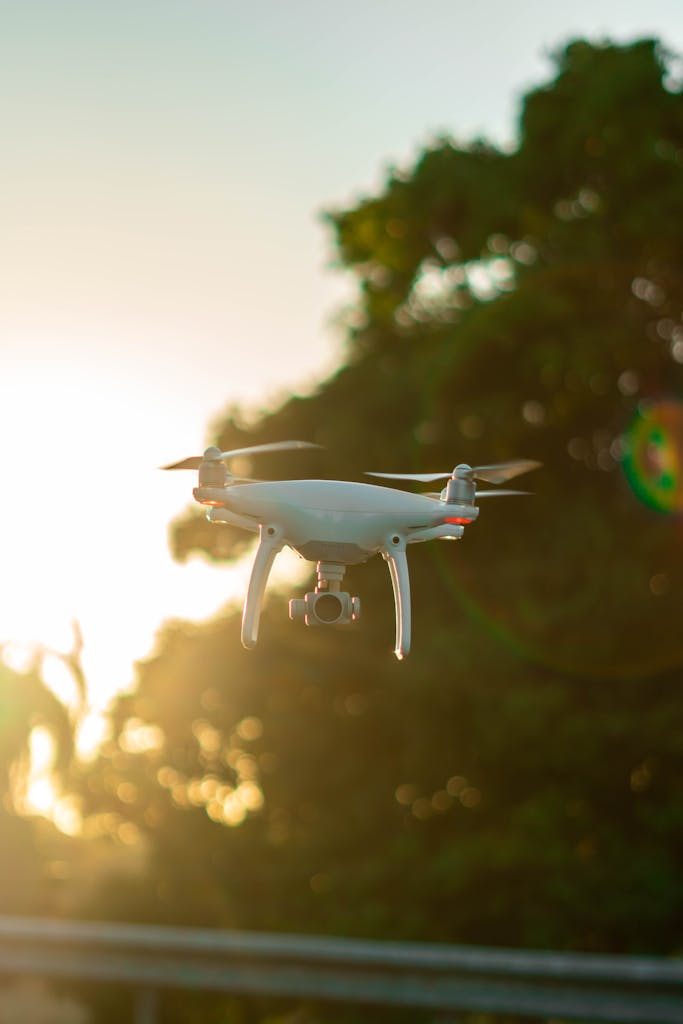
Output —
(653, 455)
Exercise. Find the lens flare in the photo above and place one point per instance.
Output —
(653, 456)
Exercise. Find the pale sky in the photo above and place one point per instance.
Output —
(164, 164)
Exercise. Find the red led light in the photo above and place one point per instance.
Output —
(459, 520)
(215, 504)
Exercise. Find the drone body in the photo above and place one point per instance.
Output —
(336, 523)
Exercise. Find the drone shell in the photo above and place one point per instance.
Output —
(319, 510)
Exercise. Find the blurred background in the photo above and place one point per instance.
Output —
(416, 236)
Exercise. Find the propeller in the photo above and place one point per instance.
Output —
(480, 494)
(216, 455)
(498, 473)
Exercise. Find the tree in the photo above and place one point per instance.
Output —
(517, 780)
(25, 704)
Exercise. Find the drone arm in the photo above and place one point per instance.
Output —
(270, 543)
(224, 515)
(394, 554)
(445, 531)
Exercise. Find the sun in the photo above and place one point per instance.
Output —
(84, 541)
(85, 524)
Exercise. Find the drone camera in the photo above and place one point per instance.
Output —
(325, 608)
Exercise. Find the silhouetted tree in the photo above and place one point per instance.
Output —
(518, 780)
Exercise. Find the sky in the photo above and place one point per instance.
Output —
(165, 165)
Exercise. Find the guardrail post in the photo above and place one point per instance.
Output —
(146, 1006)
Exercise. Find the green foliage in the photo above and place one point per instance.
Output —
(518, 780)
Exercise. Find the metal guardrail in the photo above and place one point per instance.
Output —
(442, 979)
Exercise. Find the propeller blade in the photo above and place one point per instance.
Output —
(423, 478)
(479, 494)
(497, 473)
(274, 446)
(195, 461)
(191, 463)
(498, 494)
(503, 471)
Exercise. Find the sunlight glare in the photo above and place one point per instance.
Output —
(85, 525)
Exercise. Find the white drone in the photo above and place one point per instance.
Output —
(338, 523)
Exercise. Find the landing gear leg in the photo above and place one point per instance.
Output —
(394, 554)
(270, 543)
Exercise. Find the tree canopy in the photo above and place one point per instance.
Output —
(517, 781)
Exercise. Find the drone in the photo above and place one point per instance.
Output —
(337, 523)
